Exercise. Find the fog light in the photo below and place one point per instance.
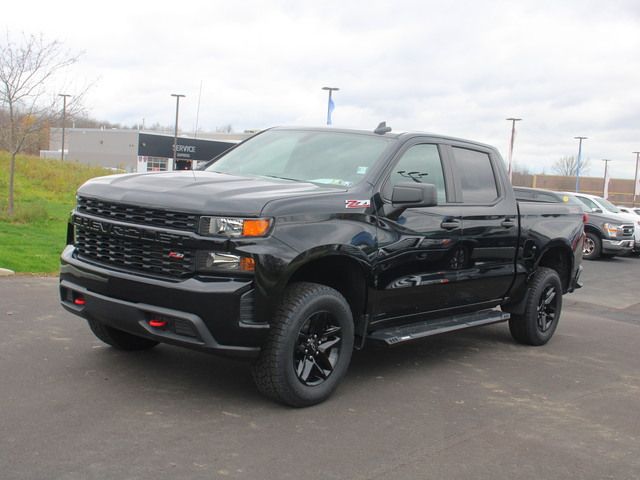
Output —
(219, 261)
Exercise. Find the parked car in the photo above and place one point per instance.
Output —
(609, 232)
(634, 216)
(299, 245)
(597, 226)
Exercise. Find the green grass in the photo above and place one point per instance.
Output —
(31, 241)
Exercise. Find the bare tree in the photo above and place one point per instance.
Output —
(568, 166)
(228, 128)
(27, 67)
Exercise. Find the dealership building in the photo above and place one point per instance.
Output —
(137, 150)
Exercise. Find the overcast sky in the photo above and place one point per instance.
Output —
(458, 68)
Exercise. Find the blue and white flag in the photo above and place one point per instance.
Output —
(330, 110)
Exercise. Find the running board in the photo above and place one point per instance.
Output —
(413, 331)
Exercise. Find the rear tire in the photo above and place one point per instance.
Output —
(540, 319)
(309, 346)
(592, 246)
(119, 339)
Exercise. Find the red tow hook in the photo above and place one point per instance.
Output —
(155, 323)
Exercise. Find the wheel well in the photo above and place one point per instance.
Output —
(340, 273)
(559, 260)
(590, 229)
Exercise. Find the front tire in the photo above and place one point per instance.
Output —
(309, 346)
(119, 339)
(592, 246)
(540, 319)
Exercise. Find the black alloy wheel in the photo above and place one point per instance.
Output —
(309, 346)
(547, 308)
(539, 320)
(318, 348)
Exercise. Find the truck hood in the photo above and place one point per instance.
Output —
(199, 192)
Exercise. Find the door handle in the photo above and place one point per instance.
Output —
(450, 224)
(508, 223)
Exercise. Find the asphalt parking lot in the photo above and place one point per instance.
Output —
(471, 405)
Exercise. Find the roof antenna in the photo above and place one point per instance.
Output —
(382, 128)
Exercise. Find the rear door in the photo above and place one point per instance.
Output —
(490, 224)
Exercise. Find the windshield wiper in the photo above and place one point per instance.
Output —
(283, 178)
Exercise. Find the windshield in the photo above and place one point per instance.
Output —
(608, 205)
(330, 158)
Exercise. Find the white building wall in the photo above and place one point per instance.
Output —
(106, 148)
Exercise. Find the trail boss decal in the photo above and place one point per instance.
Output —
(357, 203)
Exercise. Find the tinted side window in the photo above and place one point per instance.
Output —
(476, 175)
(420, 163)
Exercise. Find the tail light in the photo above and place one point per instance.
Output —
(585, 218)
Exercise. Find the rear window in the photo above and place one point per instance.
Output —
(476, 175)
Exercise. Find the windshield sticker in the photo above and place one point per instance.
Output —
(361, 170)
(357, 203)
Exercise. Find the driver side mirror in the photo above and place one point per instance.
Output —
(596, 210)
(413, 194)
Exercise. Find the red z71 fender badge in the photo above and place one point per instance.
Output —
(357, 203)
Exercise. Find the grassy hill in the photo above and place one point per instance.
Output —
(32, 240)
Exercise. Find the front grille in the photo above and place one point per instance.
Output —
(143, 256)
(135, 214)
(627, 230)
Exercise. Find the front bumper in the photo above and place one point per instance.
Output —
(209, 314)
(617, 246)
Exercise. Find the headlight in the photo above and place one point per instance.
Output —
(226, 262)
(234, 227)
(612, 229)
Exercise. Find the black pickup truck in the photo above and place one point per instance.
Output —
(300, 245)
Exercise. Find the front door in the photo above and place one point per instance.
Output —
(419, 248)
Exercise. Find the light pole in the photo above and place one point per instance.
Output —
(513, 134)
(64, 118)
(605, 186)
(580, 139)
(330, 102)
(175, 131)
(635, 184)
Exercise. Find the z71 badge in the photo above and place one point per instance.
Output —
(357, 203)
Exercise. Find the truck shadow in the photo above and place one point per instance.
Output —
(197, 380)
